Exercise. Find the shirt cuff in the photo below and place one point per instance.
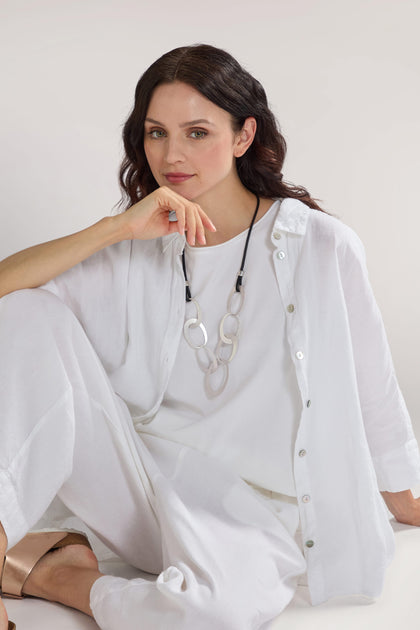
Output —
(399, 469)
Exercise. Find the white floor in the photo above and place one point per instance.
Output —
(398, 608)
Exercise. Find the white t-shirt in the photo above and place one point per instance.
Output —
(243, 425)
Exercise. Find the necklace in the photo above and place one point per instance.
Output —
(210, 362)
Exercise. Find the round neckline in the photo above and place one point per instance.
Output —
(238, 237)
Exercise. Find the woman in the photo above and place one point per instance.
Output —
(220, 408)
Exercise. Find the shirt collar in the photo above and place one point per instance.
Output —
(292, 217)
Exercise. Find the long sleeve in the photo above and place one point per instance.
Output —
(388, 426)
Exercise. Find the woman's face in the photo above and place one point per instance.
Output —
(189, 141)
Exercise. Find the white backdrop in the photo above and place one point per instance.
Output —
(342, 77)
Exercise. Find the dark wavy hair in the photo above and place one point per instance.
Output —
(220, 78)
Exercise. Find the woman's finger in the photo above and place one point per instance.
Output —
(191, 223)
(199, 230)
(206, 221)
(172, 202)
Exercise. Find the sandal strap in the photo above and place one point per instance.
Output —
(22, 558)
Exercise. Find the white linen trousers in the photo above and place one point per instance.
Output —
(224, 556)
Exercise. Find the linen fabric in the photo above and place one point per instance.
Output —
(354, 435)
(225, 555)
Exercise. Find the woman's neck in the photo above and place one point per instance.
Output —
(232, 214)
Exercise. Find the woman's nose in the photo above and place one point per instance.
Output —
(174, 151)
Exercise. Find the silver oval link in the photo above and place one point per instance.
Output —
(193, 323)
(233, 341)
(210, 390)
(241, 296)
(211, 359)
(226, 337)
(198, 317)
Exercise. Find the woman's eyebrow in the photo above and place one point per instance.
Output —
(199, 121)
(190, 123)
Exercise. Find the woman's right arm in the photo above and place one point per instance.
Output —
(147, 219)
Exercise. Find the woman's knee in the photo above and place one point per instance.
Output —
(32, 315)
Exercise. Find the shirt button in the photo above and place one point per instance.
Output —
(309, 543)
(299, 355)
(302, 453)
(308, 403)
(306, 498)
(291, 308)
(281, 255)
(277, 235)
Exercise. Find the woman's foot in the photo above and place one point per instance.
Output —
(65, 575)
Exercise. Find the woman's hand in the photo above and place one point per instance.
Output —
(149, 218)
(404, 507)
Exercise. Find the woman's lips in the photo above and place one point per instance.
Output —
(177, 178)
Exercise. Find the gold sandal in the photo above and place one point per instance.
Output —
(22, 558)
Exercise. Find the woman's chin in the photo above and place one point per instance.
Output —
(182, 189)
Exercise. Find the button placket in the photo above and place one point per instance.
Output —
(285, 256)
(276, 235)
(302, 474)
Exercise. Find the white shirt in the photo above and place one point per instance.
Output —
(354, 433)
(242, 426)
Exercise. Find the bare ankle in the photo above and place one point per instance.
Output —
(65, 575)
(71, 586)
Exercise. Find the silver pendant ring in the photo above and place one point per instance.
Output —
(241, 295)
(211, 391)
(212, 364)
(198, 314)
(194, 323)
(226, 337)
(233, 346)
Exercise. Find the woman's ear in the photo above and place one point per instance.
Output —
(245, 137)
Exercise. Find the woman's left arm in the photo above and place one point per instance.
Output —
(403, 506)
(389, 432)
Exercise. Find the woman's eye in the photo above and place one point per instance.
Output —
(198, 134)
(156, 133)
